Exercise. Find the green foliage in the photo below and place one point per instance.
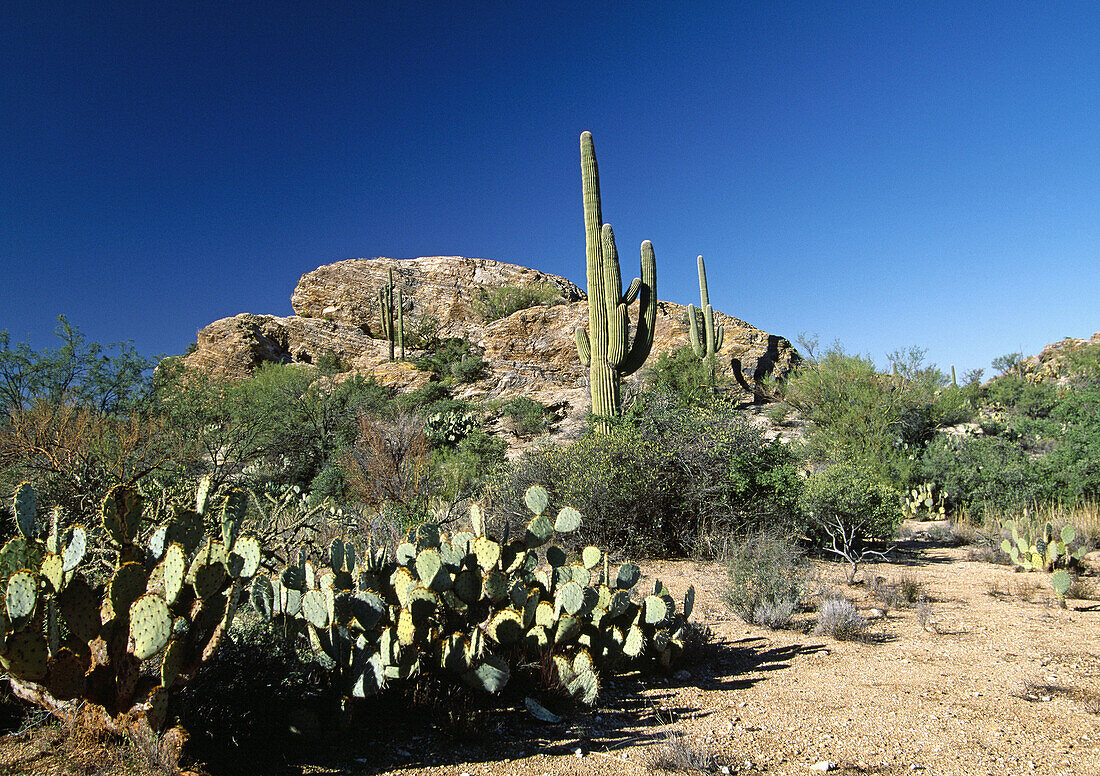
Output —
(668, 480)
(853, 500)
(983, 473)
(466, 467)
(529, 417)
(500, 302)
(281, 424)
(77, 372)
(876, 421)
(1018, 396)
(768, 577)
(688, 379)
(454, 360)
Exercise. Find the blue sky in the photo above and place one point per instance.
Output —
(884, 174)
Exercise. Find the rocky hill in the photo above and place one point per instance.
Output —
(1051, 364)
(530, 352)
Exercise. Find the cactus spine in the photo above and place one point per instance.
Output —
(713, 335)
(388, 304)
(605, 348)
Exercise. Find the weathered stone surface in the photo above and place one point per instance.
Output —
(446, 288)
(233, 347)
(530, 353)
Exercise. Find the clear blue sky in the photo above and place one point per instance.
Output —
(888, 174)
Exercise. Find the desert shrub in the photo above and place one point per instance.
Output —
(872, 420)
(389, 466)
(425, 399)
(77, 372)
(528, 416)
(686, 378)
(500, 302)
(980, 474)
(668, 480)
(850, 496)
(466, 466)
(838, 618)
(898, 594)
(453, 360)
(447, 429)
(767, 578)
(1021, 397)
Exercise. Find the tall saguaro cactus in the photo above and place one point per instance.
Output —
(387, 302)
(606, 348)
(712, 336)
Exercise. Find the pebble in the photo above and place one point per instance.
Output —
(578, 752)
(824, 765)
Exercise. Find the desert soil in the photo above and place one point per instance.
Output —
(989, 677)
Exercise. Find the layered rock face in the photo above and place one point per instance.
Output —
(529, 353)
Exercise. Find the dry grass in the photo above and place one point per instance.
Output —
(65, 750)
(898, 593)
(1040, 692)
(1025, 589)
(676, 754)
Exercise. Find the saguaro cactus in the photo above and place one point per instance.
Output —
(388, 303)
(606, 348)
(712, 338)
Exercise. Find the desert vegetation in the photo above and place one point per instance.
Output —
(194, 558)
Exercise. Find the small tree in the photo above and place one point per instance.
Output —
(847, 507)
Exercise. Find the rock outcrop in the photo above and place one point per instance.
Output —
(1051, 363)
(530, 352)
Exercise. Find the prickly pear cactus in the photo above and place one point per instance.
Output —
(1034, 547)
(66, 637)
(476, 607)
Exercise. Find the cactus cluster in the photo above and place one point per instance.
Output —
(923, 498)
(67, 637)
(1038, 548)
(711, 341)
(391, 306)
(606, 348)
(475, 607)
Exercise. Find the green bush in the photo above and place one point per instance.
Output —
(681, 374)
(669, 480)
(982, 473)
(768, 575)
(853, 499)
(500, 302)
(879, 422)
(453, 360)
(528, 416)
